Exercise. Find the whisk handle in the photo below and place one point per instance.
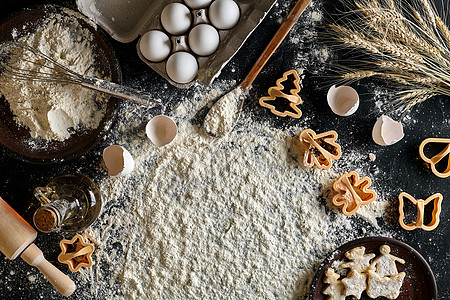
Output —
(119, 91)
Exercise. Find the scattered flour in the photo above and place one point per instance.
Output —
(222, 116)
(234, 218)
(47, 109)
(231, 218)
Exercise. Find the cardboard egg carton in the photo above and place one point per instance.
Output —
(125, 20)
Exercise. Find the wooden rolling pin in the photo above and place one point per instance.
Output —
(16, 238)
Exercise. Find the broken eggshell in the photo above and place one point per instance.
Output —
(161, 130)
(118, 160)
(343, 100)
(387, 131)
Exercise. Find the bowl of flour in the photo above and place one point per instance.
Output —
(46, 122)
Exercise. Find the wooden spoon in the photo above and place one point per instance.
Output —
(224, 114)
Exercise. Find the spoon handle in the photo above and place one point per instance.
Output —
(277, 39)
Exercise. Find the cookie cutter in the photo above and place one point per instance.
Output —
(277, 92)
(352, 192)
(433, 161)
(320, 149)
(76, 253)
(420, 204)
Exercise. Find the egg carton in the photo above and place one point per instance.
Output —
(126, 20)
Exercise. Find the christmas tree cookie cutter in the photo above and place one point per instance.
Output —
(293, 98)
(436, 199)
(76, 253)
(320, 149)
(433, 161)
(352, 192)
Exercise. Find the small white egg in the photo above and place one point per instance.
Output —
(176, 18)
(343, 100)
(196, 4)
(182, 67)
(387, 131)
(155, 45)
(203, 39)
(224, 14)
(118, 160)
(161, 130)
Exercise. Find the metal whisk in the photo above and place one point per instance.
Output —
(48, 70)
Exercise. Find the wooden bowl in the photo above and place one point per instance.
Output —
(16, 140)
(419, 282)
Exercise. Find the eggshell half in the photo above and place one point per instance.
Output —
(118, 160)
(161, 130)
(386, 131)
(343, 100)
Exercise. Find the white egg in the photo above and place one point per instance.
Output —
(195, 4)
(343, 100)
(118, 160)
(203, 39)
(155, 45)
(387, 131)
(176, 18)
(224, 14)
(182, 67)
(161, 130)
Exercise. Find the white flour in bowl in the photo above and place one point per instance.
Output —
(33, 103)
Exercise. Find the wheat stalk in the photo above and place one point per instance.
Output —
(405, 43)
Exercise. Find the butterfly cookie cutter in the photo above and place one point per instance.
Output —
(433, 161)
(320, 149)
(76, 253)
(352, 192)
(420, 204)
(277, 92)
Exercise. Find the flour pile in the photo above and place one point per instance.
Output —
(235, 218)
(50, 110)
(223, 115)
(231, 218)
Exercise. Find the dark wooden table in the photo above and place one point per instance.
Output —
(400, 166)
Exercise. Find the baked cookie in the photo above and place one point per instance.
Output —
(335, 288)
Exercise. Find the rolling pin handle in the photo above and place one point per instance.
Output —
(62, 283)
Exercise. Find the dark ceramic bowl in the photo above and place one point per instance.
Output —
(16, 140)
(419, 283)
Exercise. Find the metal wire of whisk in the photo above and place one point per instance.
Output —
(45, 69)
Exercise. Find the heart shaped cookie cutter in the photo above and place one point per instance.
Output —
(420, 204)
(433, 161)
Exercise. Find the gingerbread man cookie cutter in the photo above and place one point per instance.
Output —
(420, 204)
(277, 92)
(320, 149)
(433, 161)
(352, 192)
(76, 253)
